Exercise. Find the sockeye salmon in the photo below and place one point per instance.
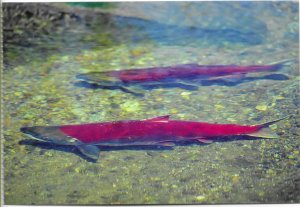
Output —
(155, 131)
(178, 73)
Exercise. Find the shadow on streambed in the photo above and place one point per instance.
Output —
(138, 89)
(74, 150)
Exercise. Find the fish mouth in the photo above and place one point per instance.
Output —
(81, 77)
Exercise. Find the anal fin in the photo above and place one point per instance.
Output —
(204, 140)
(160, 118)
(229, 78)
(137, 91)
(166, 144)
(264, 133)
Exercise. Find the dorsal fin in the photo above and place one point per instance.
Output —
(160, 118)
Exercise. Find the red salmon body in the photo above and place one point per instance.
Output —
(185, 71)
(154, 131)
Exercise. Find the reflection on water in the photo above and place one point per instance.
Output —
(47, 45)
(138, 30)
(33, 28)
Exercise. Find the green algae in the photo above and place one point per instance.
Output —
(131, 106)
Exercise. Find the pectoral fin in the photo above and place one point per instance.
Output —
(229, 78)
(167, 144)
(204, 140)
(135, 90)
(90, 151)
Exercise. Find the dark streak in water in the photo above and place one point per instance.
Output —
(187, 84)
(73, 149)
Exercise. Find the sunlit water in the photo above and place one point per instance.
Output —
(40, 88)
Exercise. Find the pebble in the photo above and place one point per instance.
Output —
(235, 178)
(182, 116)
(219, 107)
(39, 98)
(18, 94)
(164, 156)
(65, 58)
(231, 119)
(271, 172)
(186, 95)
(77, 170)
(279, 97)
(49, 154)
(200, 198)
(262, 107)
(137, 51)
(174, 111)
(293, 27)
(155, 179)
(130, 106)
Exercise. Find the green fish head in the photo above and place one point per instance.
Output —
(99, 78)
(50, 134)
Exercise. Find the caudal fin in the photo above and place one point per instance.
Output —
(265, 132)
(283, 63)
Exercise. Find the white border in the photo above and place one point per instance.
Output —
(1, 96)
(222, 205)
(1, 114)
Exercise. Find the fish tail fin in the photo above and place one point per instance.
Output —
(265, 132)
(267, 124)
(283, 63)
